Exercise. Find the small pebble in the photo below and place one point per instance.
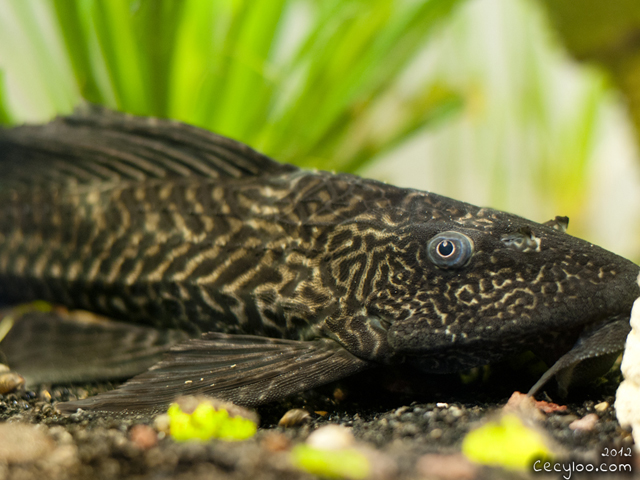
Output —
(529, 406)
(401, 411)
(82, 394)
(565, 419)
(456, 412)
(143, 436)
(523, 404)
(586, 423)
(45, 395)
(60, 435)
(339, 395)
(294, 418)
(21, 443)
(64, 456)
(601, 407)
(446, 467)
(331, 437)
(276, 442)
(162, 423)
(10, 381)
(383, 467)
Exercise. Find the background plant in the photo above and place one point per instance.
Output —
(473, 99)
(293, 78)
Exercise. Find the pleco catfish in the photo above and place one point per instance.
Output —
(260, 279)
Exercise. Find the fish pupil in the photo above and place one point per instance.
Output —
(446, 248)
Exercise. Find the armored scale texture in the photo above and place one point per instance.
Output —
(260, 279)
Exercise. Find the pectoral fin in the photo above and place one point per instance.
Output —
(61, 347)
(591, 357)
(244, 369)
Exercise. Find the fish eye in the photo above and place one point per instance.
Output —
(450, 249)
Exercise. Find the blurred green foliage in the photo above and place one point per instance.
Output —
(525, 139)
(607, 33)
(4, 116)
(296, 79)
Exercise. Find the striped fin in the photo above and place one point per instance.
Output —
(54, 347)
(244, 369)
(99, 145)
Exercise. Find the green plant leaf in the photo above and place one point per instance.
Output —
(74, 24)
(239, 68)
(156, 23)
(354, 53)
(127, 65)
(4, 114)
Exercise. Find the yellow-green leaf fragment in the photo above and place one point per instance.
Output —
(507, 443)
(335, 464)
(35, 306)
(206, 423)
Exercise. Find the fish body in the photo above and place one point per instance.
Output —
(270, 267)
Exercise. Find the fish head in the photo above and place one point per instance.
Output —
(469, 289)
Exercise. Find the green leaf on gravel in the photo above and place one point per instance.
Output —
(206, 423)
(336, 464)
(506, 443)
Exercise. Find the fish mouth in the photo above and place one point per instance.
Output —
(611, 300)
(599, 337)
(559, 323)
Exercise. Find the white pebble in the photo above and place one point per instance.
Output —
(331, 437)
(635, 316)
(627, 404)
(631, 360)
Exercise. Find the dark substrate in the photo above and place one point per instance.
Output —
(402, 425)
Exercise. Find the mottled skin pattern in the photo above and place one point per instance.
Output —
(274, 251)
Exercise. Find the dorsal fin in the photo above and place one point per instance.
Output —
(98, 145)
